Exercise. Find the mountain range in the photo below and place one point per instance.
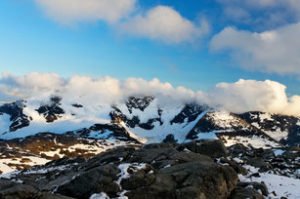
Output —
(143, 119)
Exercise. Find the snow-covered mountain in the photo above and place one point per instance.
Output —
(143, 119)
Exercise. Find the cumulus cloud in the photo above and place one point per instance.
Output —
(262, 13)
(72, 11)
(275, 51)
(241, 96)
(161, 23)
(165, 24)
(245, 95)
(268, 96)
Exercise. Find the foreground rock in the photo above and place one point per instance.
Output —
(153, 171)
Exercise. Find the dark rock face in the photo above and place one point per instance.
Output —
(117, 116)
(140, 103)
(17, 117)
(210, 123)
(77, 105)
(162, 171)
(104, 132)
(116, 130)
(293, 138)
(170, 139)
(275, 122)
(51, 111)
(190, 113)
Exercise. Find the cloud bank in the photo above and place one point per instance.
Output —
(275, 51)
(84, 89)
(241, 96)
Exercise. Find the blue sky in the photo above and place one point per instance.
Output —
(36, 35)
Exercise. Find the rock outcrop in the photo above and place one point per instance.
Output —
(163, 171)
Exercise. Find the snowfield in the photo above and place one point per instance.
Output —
(278, 186)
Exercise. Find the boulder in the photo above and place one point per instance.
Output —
(12, 190)
(188, 181)
(246, 192)
(96, 180)
(211, 148)
(160, 156)
(253, 190)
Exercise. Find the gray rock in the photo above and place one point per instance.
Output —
(190, 180)
(211, 148)
(96, 180)
(253, 190)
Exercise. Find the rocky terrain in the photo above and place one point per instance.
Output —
(202, 169)
(142, 148)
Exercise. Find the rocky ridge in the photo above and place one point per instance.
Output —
(202, 169)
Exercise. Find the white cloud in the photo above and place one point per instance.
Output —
(72, 11)
(241, 96)
(33, 84)
(165, 24)
(167, 93)
(246, 95)
(161, 23)
(275, 51)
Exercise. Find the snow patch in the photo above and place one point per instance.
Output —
(124, 170)
(101, 195)
(255, 141)
(207, 136)
(278, 152)
(4, 168)
(280, 185)
(277, 134)
(4, 122)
